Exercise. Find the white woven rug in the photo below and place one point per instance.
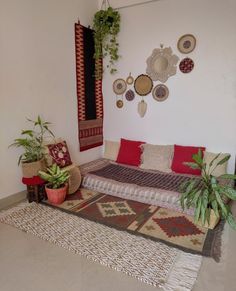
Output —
(151, 262)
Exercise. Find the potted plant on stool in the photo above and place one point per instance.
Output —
(57, 186)
(209, 197)
(32, 159)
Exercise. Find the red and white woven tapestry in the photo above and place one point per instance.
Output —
(89, 91)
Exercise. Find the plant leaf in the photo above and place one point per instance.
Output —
(197, 211)
(229, 192)
(225, 159)
(231, 221)
(223, 207)
(212, 161)
(228, 176)
(192, 165)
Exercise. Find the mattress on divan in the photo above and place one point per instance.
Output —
(94, 179)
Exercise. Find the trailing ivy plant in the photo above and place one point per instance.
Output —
(209, 194)
(106, 25)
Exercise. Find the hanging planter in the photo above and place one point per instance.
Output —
(106, 25)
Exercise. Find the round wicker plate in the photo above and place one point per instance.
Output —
(186, 65)
(119, 86)
(129, 95)
(186, 44)
(143, 85)
(160, 92)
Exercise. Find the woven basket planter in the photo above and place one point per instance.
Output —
(214, 220)
(30, 170)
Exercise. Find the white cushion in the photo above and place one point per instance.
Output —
(157, 157)
(111, 150)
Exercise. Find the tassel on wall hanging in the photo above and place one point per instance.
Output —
(89, 90)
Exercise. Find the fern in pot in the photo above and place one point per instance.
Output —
(57, 185)
(209, 197)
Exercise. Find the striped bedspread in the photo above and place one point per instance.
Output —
(152, 187)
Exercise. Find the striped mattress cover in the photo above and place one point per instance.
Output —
(132, 191)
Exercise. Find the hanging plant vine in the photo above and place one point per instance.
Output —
(106, 25)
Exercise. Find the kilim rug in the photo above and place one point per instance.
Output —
(152, 262)
(89, 90)
(154, 222)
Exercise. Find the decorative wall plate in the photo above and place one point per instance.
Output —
(119, 86)
(119, 103)
(161, 64)
(129, 95)
(143, 85)
(186, 44)
(130, 80)
(186, 65)
(160, 92)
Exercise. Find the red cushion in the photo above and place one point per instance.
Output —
(60, 154)
(184, 154)
(129, 152)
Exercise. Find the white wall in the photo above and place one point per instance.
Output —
(37, 76)
(201, 108)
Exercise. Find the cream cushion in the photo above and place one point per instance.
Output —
(221, 169)
(157, 157)
(111, 150)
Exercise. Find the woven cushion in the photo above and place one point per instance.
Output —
(59, 153)
(157, 157)
(111, 150)
(74, 179)
(129, 152)
(221, 169)
(184, 154)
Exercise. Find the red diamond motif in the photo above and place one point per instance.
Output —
(177, 226)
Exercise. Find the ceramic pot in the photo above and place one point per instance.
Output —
(30, 170)
(56, 196)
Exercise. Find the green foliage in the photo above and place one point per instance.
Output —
(32, 141)
(55, 176)
(209, 193)
(106, 25)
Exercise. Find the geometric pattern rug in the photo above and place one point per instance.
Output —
(151, 262)
(154, 222)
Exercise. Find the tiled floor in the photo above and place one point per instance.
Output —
(30, 264)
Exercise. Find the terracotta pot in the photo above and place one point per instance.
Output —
(212, 223)
(30, 170)
(56, 196)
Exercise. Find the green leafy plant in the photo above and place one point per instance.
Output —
(209, 193)
(56, 176)
(106, 25)
(32, 141)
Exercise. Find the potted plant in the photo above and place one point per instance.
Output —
(106, 25)
(57, 186)
(31, 141)
(208, 196)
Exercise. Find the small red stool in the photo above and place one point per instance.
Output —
(35, 188)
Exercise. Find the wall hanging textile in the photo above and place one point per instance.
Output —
(89, 90)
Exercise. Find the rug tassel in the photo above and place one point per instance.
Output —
(184, 273)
